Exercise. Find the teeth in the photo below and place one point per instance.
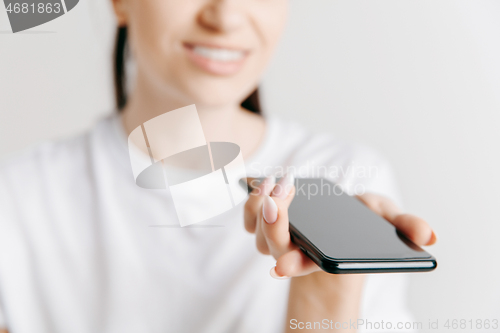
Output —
(218, 54)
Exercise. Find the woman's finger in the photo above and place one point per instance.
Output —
(413, 227)
(294, 263)
(380, 205)
(260, 239)
(275, 225)
(253, 205)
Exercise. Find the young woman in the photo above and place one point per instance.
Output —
(77, 250)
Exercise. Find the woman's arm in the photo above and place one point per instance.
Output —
(323, 300)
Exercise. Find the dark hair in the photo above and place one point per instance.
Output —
(251, 103)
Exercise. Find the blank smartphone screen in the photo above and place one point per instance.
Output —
(343, 228)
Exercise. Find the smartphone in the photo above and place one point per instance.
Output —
(343, 236)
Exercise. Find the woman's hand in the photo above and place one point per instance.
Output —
(266, 215)
(314, 294)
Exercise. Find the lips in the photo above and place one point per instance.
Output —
(216, 60)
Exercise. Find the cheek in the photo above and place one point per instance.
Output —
(269, 23)
(154, 33)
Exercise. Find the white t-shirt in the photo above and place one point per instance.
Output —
(81, 249)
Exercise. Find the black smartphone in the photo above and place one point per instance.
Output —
(343, 236)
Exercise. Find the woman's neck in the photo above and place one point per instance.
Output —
(229, 123)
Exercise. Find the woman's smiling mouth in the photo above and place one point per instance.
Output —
(215, 59)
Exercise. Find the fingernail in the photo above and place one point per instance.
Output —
(284, 186)
(269, 210)
(275, 275)
(433, 239)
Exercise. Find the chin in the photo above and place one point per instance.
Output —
(216, 94)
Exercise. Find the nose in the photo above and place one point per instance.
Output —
(222, 15)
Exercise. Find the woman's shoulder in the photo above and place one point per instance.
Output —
(58, 157)
(325, 155)
(42, 158)
(321, 147)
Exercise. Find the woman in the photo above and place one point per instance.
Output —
(78, 253)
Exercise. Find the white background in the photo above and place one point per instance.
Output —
(417, 80)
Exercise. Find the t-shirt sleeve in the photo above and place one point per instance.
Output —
(364, 170)
(356, 168)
